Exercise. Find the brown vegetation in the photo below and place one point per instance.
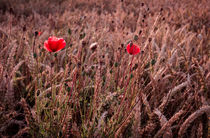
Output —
(87, 89)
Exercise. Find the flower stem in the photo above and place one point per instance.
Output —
(124, 95)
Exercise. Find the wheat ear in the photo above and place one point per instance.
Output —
(26, 110)
(191, 118)
(163, 121)
(169, 123)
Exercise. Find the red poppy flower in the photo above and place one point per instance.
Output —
(39, 33)
(54, 44)
(133, 49)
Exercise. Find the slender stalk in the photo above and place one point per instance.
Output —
(124, 95)
(123, 122)
(56, 63)
(67, 108)
(51, 82)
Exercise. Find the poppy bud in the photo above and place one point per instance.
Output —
(82, 35)
(153, 62)
(131, 44)
(131, 76)
(11, 11)
(116, 64)
(52, 64)
(110, 71)
(69, 31)
(140, 31)
(150, 39)
(24, 28)
(84, 43)
(136, 37)
(68, 89)
(36, 33)
(35, 55)
(122, 45)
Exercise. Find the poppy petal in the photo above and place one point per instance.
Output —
(54, 44)
(136, 50)
(128, 49)
(46, 46)
(133, 50)
(62, 43)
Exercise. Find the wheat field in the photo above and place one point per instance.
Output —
(93, 88)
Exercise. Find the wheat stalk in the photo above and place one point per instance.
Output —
(21, 132)
(172, 59)
(169, 123)
(125, 123)
(200, 130)
(26, 110)
(1, 71)
(3, 51)
(9, 95)
(171, 93)
(137, 117)
(16, 68)
(101, 123)
(148, 128)
(163, 121)
(191, 118)
(146, 103)
(10, 60)
(31, 62)
(48, 90)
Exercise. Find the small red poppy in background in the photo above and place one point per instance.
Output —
(133, 49)
(54, 44)
(39, 33)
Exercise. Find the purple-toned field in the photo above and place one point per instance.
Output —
(92, 80)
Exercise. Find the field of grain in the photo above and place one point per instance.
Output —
(93, 88)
